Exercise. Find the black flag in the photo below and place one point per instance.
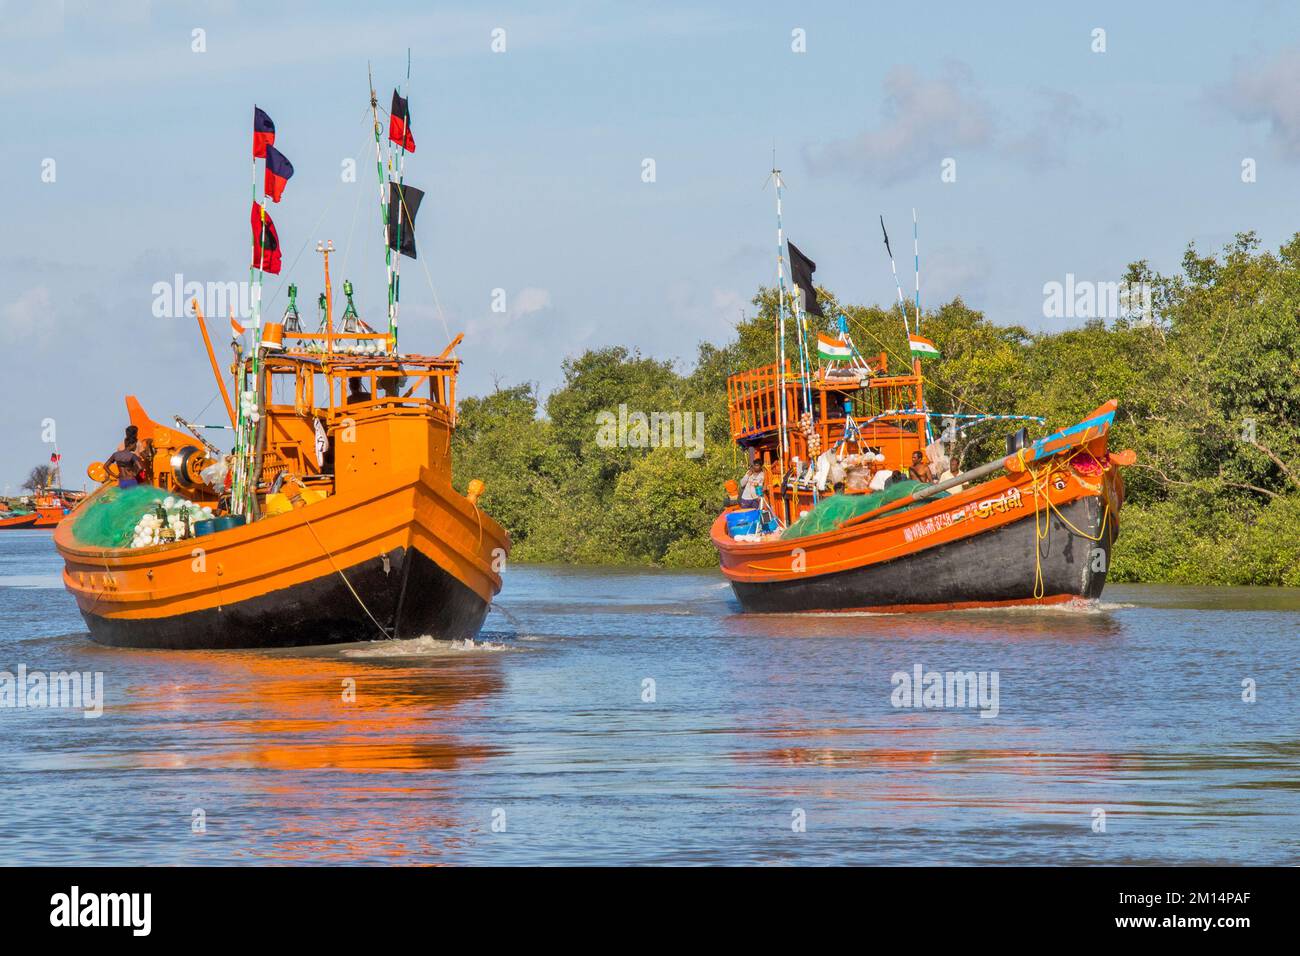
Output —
(801, 272)
(408, 209)
(886, 235)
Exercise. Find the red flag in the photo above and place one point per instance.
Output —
(54, 458)
(266, 244)
(399, 124)
(263, 132)
(278, 171)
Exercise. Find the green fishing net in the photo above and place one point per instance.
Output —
(108, 520)
(832, 512)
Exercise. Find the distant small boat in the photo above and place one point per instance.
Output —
(17, 519)
(50, 510)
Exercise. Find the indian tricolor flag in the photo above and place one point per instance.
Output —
(922, 347)
(836, 350)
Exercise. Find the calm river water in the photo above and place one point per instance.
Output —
(611, 717)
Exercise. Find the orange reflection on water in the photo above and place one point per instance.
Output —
(296, 712)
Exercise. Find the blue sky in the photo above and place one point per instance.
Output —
(1068, 161)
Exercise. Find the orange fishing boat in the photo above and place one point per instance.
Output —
(848, 514)
(17, 519)
(51, 508)
(1034, 527)
(334, 518)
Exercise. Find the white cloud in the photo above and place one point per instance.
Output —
(928, 120)
(518, 325)
(1269, 93)
(27, 315)
(528, 301)
(1060, 117)
(924, 121)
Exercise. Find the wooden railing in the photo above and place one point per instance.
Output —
(754, 401)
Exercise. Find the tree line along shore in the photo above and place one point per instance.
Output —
(1207, 377)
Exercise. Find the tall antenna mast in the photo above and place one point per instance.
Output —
(401, 193)
(383, 216)
(916, 264)
(902, 307)
(780, 292)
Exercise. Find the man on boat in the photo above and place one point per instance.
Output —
(952, 471)
(751, 485)
(920, 470)
(357, 391)
(129, 465)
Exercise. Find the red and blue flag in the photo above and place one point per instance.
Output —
(399, 124)
(278, 172)
(266, 246)
(263, 132)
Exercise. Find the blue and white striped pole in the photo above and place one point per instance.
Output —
(780, 286)
(916, 259)
(902, 307)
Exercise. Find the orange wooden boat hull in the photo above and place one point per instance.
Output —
(18, 521)
(49, 516)
(410, 558)
(1033, 537)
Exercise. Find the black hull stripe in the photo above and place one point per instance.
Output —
(995, 566)
(321, 611)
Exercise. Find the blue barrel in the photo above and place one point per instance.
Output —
(226, 522)
(213, 525)
(744, 522)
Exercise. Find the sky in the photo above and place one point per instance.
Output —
(125, 161)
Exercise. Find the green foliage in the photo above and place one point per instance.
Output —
(1207, 384)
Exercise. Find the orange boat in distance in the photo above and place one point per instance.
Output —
(52, 506)
(1035, 527)
(854, 500)
(17, 519)
(334, 518)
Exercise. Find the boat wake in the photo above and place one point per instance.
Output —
(34, 582)
(423, 646)
(1073, 606)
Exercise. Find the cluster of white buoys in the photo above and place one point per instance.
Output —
(248, 406)
(171, 525)
(360, 349)
(811, 434)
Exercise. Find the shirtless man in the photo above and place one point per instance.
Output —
(920, 470)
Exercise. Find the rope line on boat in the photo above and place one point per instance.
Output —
(382, 630)
(1043, 528)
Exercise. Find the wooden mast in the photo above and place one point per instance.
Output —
(212, 358)
(325, 248)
